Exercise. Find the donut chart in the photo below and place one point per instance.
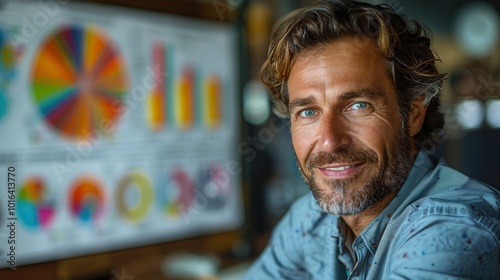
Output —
(78, 81)
(214, 184)
(86, 199)
(177, 194)
(34, 208)
(134, 196)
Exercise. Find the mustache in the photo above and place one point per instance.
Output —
(341, 155)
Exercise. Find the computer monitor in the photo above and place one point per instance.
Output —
(119, 127)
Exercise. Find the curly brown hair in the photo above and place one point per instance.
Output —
(403, 43)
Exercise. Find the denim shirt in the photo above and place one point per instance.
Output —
(441, 225)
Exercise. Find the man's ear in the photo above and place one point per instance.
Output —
(417, 115)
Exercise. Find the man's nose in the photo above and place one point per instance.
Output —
(333, 132)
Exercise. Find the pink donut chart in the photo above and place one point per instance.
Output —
(176, 193)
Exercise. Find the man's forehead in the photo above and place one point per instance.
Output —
(343, 53)
(353, 44)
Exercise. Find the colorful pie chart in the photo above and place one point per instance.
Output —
(78, 81)
(177, 193)
(34, 207)
(134, 196)
(86, 199)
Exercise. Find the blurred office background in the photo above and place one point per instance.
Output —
(144, 145)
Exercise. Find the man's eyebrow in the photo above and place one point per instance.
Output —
(299, 102)
(364, 92)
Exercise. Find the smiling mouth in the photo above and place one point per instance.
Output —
(339, 168)
(340, 171)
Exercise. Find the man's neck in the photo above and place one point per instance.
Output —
(359, 222)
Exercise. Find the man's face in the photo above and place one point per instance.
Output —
(352, 147)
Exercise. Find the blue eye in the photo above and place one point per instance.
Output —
(359, 106)
(307, 113)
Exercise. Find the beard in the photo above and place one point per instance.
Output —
(340, 198)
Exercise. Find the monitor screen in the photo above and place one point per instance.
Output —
(118, 128)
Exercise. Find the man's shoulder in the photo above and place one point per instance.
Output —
(457, 199)
(452, 186)
(445, 196)
(456, 190)
(446, 183)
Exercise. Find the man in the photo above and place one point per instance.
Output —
(362, 92)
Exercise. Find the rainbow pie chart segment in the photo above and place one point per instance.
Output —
(78, 81)
(34, 207)
(86, 199)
